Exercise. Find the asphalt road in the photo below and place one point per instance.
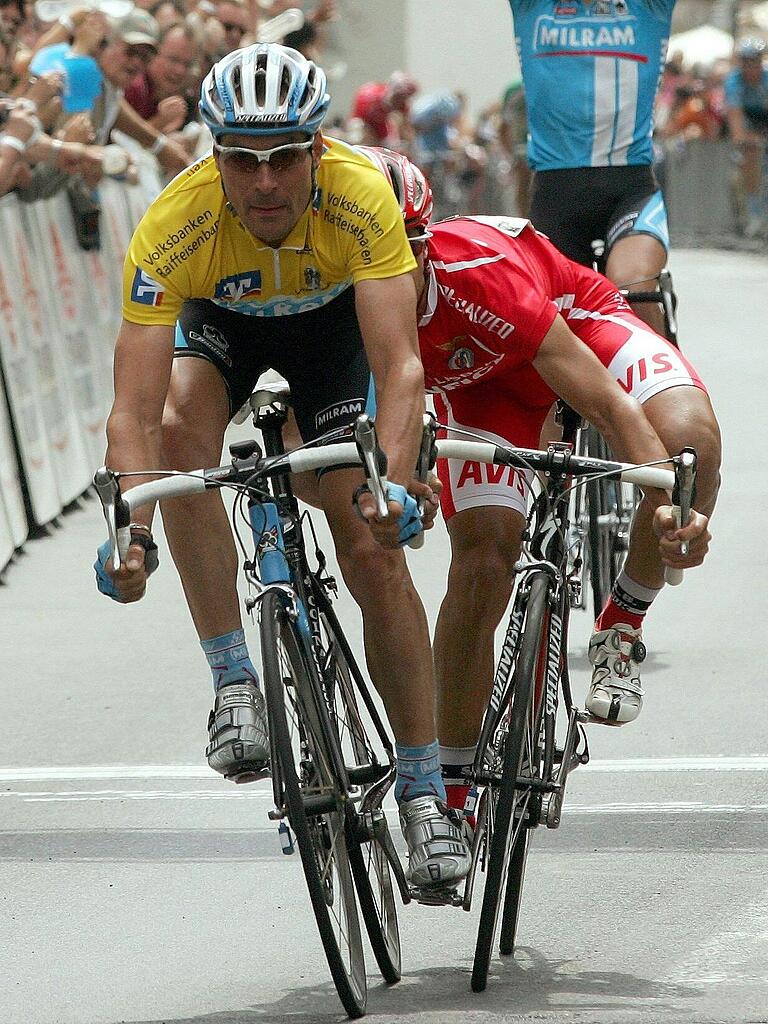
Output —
(135, 886)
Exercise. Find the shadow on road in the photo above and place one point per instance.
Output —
(528, 984)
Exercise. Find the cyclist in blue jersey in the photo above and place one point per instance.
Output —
(746, 102)
(591, 70)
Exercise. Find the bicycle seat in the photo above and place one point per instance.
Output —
(270, 389)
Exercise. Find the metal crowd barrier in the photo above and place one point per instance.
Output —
(59, 316)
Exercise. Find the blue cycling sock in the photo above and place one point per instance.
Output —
(229, 659)
(418, 772)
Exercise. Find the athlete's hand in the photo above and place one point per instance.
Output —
(671, 536)
(129, 583)
(429, 494)
(402, 522)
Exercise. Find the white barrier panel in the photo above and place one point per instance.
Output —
(7, 546)
(43, 332)
(60, 309)
(11, 495)
(20, 372)
(73, 317)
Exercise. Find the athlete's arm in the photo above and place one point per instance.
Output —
(143, 360)
(575, 373)
(386, 311)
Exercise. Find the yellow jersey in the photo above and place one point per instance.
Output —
(191, 245)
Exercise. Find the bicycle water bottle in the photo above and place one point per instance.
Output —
(270, 549)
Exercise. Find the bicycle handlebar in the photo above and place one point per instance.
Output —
(119, 508)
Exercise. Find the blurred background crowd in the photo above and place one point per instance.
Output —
(72, 75)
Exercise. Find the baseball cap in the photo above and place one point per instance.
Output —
(750, 48)
(138, 28)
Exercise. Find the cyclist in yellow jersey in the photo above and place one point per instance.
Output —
(283, 250)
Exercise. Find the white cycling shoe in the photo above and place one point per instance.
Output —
(438, 840)
(237, 731)
(616, 694)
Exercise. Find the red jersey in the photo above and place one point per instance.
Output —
(493, 291)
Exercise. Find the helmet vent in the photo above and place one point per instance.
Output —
(237, 85)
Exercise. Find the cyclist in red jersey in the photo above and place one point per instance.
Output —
(383, 109)
(507, 324)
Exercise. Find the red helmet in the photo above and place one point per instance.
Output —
(410, 186)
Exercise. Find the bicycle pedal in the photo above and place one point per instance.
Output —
(588, 719)
(436, 897)
(246, 772)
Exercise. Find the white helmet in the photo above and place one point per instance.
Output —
(264, 89)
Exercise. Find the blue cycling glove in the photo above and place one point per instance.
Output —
(410, 521)
(105, 582)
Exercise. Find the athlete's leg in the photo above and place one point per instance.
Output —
(201, 543)
(635, 262)
(395, 626)
(485, 544)
(199, 536)
(681, 416)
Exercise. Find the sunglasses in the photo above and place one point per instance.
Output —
(280, 159)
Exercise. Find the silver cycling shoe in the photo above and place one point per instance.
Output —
(237, 731)
(438, 840)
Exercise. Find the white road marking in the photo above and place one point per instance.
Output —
(648, 808)
(98, 773)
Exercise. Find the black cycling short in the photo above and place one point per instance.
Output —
(576, 206)
(320, 353)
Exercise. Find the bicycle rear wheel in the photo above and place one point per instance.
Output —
(306, 785)
(367, 838)
(517, 741)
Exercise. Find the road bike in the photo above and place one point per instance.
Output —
(533, 735)
(332, 760)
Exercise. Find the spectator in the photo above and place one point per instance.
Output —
(76, 59)
(691, 116)
(746, 101)
(383, 108)
(234, 19)
(513, 137)
(168, 12)
(165, 93)
(130, 52)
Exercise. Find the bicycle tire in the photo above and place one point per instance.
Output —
(368, 860)
(603, 518)
(512, 801)
(312, 798)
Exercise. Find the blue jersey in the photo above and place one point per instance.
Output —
(752, 99)
(591, 70)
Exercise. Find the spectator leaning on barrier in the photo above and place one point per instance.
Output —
(76, 58)
(25, 144)
(163, 93)
(746, 104)
(132, 47)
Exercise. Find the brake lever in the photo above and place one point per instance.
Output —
(425, 462)
(374, 460)
(682, 502)
(116, 512)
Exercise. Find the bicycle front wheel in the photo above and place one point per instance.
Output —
(604, 511)
(306, 786)
(512, 808)
(368, 832)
